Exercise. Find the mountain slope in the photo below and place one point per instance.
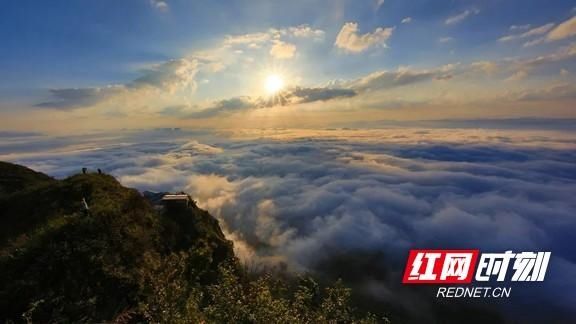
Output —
(59, 264)
(15, 177)
(125, 261)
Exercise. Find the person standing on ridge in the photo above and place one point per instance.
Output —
(85, 207)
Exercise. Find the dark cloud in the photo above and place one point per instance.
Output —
(484, 123)
(308, 202)
(556, 92)
(296, 95)
(177, 110)
(304, 95)
(222, 107)
(72, 98)
(169, 76)
(392, 79)
(12, 134)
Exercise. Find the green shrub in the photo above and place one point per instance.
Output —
(127, 263)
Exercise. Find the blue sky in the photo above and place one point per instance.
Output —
(93, 46)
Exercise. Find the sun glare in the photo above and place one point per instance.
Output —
(273, 84)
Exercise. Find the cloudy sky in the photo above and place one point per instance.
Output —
(175, 63)
(314, 129)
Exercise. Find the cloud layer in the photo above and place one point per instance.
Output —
(306, 198)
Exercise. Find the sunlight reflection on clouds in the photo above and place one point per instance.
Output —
(300, 197)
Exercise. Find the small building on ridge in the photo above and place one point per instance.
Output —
(177, 201)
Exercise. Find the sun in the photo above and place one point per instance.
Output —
(273, 84)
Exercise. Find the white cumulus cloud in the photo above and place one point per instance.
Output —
(350, 40)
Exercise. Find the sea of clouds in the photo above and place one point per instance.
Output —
(307, 199)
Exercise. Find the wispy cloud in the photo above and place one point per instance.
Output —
(251, 38)
(562, 91)
(519, 27)
(160, 5)
(461, 16)
(71, 98)
(272, 34)
(537, 31)
(383, 80)
(444, 40)
(534, 42)
(546, 33)
(564, 30)
(305, 31)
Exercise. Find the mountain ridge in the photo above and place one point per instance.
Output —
(124, 261)
(92, 259)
